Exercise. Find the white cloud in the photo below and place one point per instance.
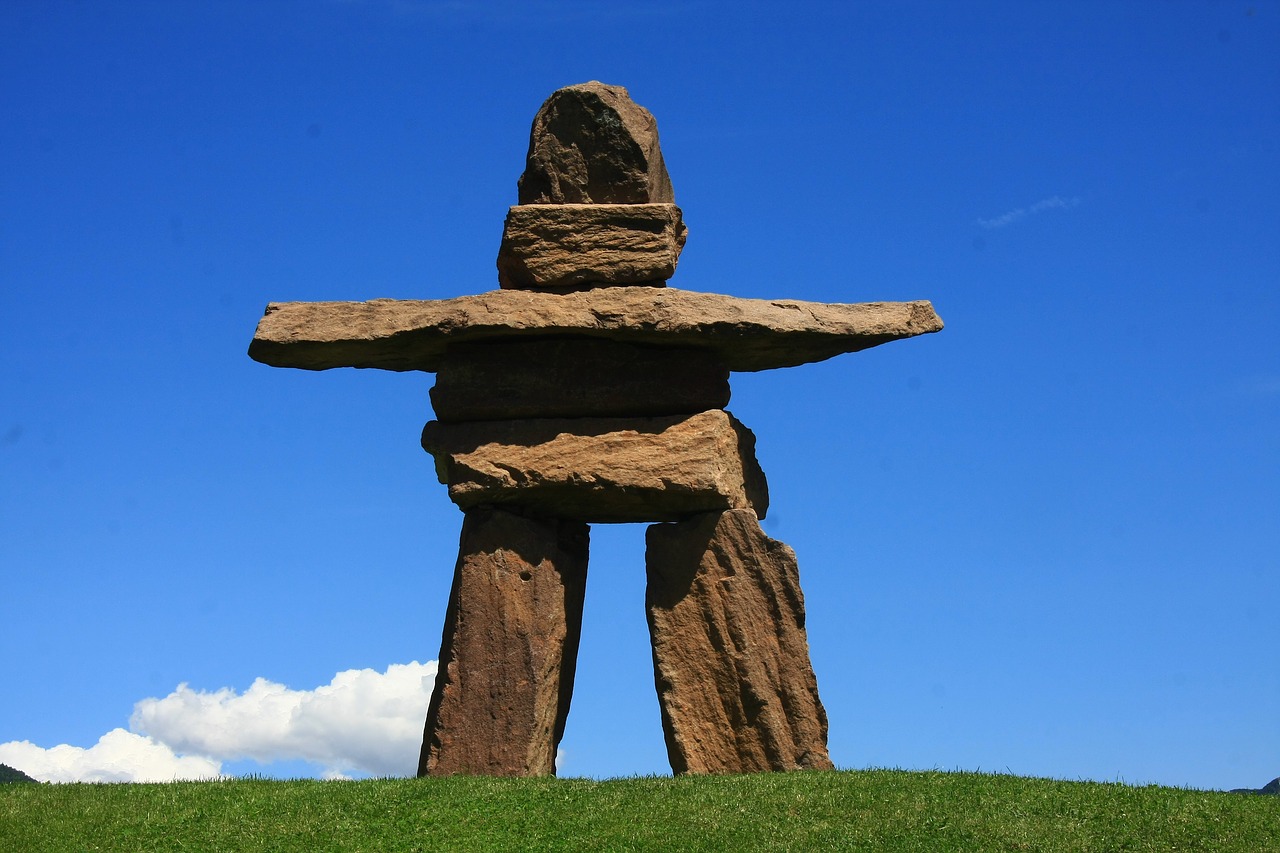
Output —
(1052, 203)
(362, 721)
(118, 756)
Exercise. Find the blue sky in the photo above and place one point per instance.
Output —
(1043, 541)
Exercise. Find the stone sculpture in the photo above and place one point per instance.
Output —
(582, 391)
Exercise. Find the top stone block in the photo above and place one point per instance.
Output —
(592, 144)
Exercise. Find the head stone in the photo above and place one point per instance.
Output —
(592, 144)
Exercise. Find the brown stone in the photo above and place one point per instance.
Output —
(510, 647)
(601, 469)
(592, 144)
(575, 378)
(730, 655)
(577, 245)
(746, 334)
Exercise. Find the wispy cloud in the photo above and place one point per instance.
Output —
(1258, 386)
(362, 721)
(1056, 202)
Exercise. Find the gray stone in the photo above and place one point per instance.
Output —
(510, 647)
(579, 245)
(601, 469)
(746, 334)
(575, 378)
(592, 144)
(730, 654)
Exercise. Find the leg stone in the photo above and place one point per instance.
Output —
(730, 655)
(510, 647)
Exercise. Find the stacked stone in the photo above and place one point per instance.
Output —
(539, 438)
(586, 391)
(596, 204)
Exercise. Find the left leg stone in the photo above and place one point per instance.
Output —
(510, 647)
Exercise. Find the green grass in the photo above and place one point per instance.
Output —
(858, 810)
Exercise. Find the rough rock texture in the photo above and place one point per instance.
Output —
(746, 334)
(572, 245)
(509, 649)
(575, 378)
(601, 469)
(592, 144)
(730, 655)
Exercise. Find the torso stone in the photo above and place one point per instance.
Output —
(575, 378)
(601, 469)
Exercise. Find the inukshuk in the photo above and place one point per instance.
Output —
(584, 390)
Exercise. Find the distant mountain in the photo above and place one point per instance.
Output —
(1271, 789)
(9, 774)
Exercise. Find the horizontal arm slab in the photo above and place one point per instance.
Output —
(747, 334)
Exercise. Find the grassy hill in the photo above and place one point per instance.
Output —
(9, 774)
(858, 810)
